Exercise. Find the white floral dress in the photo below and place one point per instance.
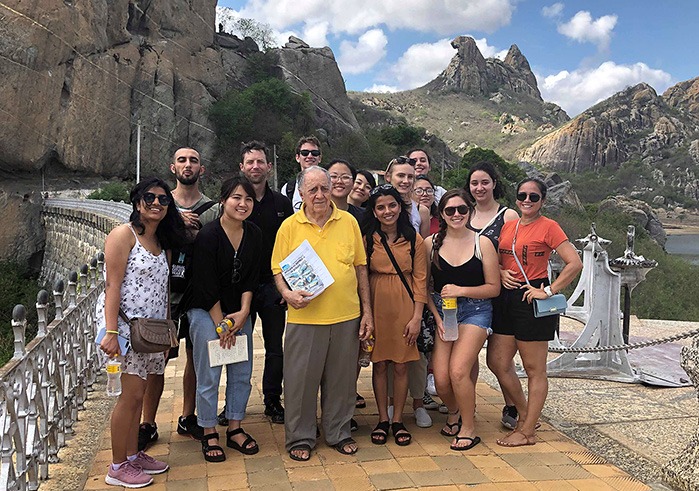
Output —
(144, 293)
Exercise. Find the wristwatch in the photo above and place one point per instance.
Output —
(548, 291)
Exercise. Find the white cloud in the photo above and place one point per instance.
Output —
(421, 63)
(490, 51)
(380, 89)
(552, 11)
(359, 57)
(316, 34)
(583, 28)
(438, 16)
(578, 90)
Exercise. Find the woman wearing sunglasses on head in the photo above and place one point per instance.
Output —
(423, 194)
(464, 267)
(225, 273)
(137, 283)
(485, 187)
(525, 247)
(400, 173)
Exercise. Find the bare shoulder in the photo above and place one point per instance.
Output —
(511, 214)
(121, 237)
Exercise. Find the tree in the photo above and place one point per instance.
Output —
(260, 32)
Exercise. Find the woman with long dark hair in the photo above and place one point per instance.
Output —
(397, 278)
(525, 247)
(225, 274)
(363, 184)
(463, 266)
(136, 282)
(423, 194)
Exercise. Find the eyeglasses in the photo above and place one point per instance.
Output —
(304, 152)
(344, 178)
(533, 197)
(421, 191)
(163, 199)
(378, 189)
(450, 210)
(235, 276)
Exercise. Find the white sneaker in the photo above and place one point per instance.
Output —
(431, 390)
(390, 413)
(443, 409)
(422, 419)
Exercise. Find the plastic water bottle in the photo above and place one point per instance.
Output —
(113, 377)
(451, 324)
(367, 348)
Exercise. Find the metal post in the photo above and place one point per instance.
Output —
(627, 314)
(138, 152)
(274, 166)
(19, 327)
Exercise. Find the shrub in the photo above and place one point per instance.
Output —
(114, 191)
(16, 286)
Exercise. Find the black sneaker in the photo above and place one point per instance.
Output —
(222, 420)
(275, 411)
(187, 425)
(509, 417)
(147, 434)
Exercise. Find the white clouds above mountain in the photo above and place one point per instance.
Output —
(577, 90)
(438, 16)
(361, 56)
(419, 64)
(583, 28)
(552, 11)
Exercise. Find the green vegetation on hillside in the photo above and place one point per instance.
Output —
(113, 191)
(511, 173)
(16, 287)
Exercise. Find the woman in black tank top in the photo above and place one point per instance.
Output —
(469, 272)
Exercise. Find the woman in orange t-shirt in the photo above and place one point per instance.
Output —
(533, 237)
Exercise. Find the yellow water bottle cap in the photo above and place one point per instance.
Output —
(449, 303)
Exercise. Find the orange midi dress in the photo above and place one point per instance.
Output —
(391, 304)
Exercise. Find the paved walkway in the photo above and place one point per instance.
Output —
(555, 463)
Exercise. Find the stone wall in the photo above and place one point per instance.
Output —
(75, 231)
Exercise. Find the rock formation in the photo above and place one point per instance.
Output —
(642, 214)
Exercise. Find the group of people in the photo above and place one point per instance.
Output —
(396, 253)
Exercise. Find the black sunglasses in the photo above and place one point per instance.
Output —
(235, 276)
(378, 189)
(315, 153)
(450, 210)
(163, 199)
(533, 197)
(405, 160)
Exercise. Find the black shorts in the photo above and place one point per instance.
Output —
(182, 332)
(514, 317)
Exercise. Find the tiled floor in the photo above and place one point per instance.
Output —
(555, 463)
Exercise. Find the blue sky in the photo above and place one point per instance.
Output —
(581, 52)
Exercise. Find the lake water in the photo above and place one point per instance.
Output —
(686, 246)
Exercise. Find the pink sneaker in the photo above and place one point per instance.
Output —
(149, 464)
(128, 475)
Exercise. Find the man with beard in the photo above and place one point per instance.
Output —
(270, 210)
(196, 210)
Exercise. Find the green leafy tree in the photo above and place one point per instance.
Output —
(17, 286)
(260, 32)
(113, 191)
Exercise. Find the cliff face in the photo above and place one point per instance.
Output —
(78, 76)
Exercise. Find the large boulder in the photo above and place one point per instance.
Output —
(642, 214)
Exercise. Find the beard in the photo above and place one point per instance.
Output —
(187, 181)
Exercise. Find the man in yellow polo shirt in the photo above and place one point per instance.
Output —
(322, 334)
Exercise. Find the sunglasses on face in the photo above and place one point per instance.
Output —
(421, 191)
(163, 199)
(450, 210)
(533, 197)
(378, 189)
(304, 153)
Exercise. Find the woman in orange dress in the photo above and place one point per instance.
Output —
(398, 297)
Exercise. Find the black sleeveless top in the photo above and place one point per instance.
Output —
(469, 273)
(493, 231)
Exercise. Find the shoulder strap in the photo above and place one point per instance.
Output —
(201, 209)
(514, 240)
(290, 188)
(123, 315)
(395, 265)
(478, 253)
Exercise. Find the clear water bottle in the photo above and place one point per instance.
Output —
(451, 324)
(114, 377)
(365, 355)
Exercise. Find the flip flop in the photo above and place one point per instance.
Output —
(474, 441)
(528, 440)
(451, 427)
(300, 446)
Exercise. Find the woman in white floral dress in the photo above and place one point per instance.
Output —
(137, 282)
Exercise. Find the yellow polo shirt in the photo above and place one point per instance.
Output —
(339, 244)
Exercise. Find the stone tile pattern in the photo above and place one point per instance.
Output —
(555, 463)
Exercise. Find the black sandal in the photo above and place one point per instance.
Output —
(401, 434)
(244, 449)
(301, 446)
(361, 402)
(206, 448)
(380, 433)
(340, 446)
(451, 433)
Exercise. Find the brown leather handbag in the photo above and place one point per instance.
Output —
(150, 335)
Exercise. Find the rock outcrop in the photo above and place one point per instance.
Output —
(642, 214)
(684, 96)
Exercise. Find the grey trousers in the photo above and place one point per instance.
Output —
(322, 357)
(417, 378)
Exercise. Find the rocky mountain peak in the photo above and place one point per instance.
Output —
(684, 96)
(473, 74)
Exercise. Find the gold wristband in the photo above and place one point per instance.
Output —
(113, 332)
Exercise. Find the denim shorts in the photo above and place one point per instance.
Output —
(475, 311)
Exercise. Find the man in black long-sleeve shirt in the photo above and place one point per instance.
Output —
(270, 210)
